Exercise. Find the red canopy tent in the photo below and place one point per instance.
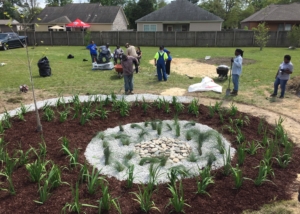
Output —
(78, 23)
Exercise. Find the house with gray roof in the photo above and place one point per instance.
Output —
(7, 25)
(101, 18)
(278, 17)
(180, 15)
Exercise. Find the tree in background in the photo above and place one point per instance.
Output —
(214, 6)
(160, 4)
(8, 7)
(135, 10)
(194, 1)
(15, 8)
(109, 2)
(58, 3)
(294, 36)
(261, 35)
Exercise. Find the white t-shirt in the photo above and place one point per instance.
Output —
(285, 76)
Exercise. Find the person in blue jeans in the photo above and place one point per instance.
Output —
(237, 65)
(127, 65)
(160, 59)
(93, 51)
(168, 62)
(283, 75)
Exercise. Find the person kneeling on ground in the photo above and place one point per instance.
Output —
(160, 59)
(127, 65)
(93, 51)
(105, 52)
(283, 75)
(237, 65)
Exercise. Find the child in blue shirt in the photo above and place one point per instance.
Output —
(93, 51)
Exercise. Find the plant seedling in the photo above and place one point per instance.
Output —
(177, 201)
(143, 197)
(206, 179)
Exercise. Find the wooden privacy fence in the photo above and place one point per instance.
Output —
(169, 39)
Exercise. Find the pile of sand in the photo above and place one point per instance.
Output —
(192, 68)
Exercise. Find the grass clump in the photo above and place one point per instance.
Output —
(177, 201)
(143, 198)
(93, 181)
(129, 155)
(206, 180)
(118, 166)
(107, 154)
(193, 107)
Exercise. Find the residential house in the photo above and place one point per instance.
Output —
(7, 25)
(180, 15)
(278, 17)
(101, 18)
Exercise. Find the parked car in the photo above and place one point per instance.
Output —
(11, 40)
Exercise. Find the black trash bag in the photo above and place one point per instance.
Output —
(44, 67)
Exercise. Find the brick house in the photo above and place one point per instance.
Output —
(278, 17)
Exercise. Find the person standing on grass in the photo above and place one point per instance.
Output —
(131, 50)
(127, 65)
(160, 59)
(283, 75)
(139, 54)
(93, 51)
(237, 65)
(168, 62)
(118, 54)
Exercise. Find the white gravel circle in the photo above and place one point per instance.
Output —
(94, 152)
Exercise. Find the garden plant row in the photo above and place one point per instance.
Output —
(48, 173)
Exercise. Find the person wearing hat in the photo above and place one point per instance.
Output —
(160, 59)
(283, 75)
(131, 50)
(127, 65)
(237, 65)
(105, 52)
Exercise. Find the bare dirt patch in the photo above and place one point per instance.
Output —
(224, 61)
(13, 99)
(174, 92)
(192, 67)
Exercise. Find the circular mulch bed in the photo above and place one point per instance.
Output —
(123, 142)
(224, 198)
(225, 61)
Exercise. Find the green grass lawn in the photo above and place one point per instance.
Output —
(72, 76)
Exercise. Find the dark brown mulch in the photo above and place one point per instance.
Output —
(224, 198)
(224, 61)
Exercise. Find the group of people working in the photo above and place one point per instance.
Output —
(281, 77)
(105, 52)
(162, 61)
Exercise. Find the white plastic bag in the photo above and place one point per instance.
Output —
(207, 84)
(104, 66)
